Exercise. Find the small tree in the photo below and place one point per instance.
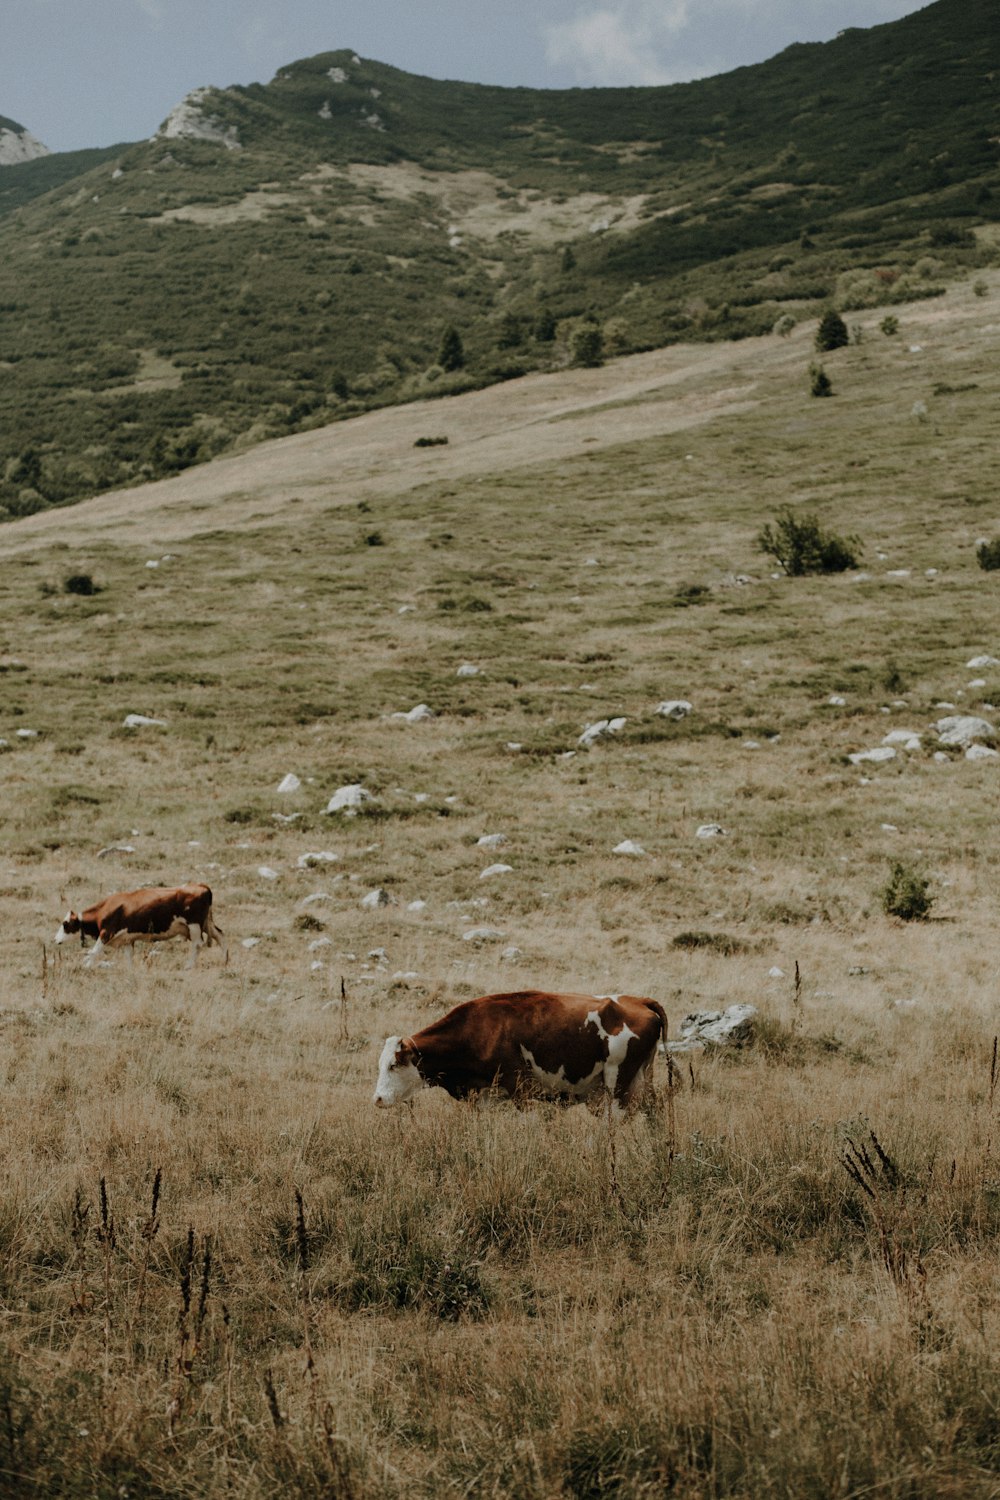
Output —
(588, 345)
(820, 383)
(800, 545)
(545, 327)
(988, 555)
(889, 325)
(784, 325)
(452, 353)
(832, 331)
(905, 894)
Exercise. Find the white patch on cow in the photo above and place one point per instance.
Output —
(617, 1044)
(558, 1083)
(94, 954)
(61, 933)
(397, 1081)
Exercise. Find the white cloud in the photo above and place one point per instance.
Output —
(665, 41)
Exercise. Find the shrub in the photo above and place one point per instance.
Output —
(451, 355)
(80, 583)
(832, 331)
(988, 555)
(588, 346)
(429, 442)
(820, 383)
(800, 545)
(889, 325)
(905, 894)
(980, 288)
(784, 325)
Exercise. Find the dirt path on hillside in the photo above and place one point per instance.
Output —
(536, 421)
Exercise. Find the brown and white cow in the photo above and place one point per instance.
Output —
(150, 915)
(529, 1043)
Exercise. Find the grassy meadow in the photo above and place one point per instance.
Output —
(222, 1270)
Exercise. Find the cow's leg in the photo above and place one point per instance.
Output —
(95, 952)
(194, 937)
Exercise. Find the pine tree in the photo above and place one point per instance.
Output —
(452, 354)
(832, 331)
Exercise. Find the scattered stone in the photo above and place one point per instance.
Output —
(602, 730)
(116, 849)
(316, 857)
(249, 942)
(750, 744)
(139, 721)
(714, 1028)
(981, 752)
(908, 738)
(628, 846)
(710, 831)
(27, 734)
(483, 935)
(979, 662)
(416, 715)
(673, 708)
(320, 942)
(898, 573)
(495, 870)
(266, 873)
(289, 783)
(315, 896)
(511, 955)
(889, 828)
(514, 745)
(349, 800)
(467, 670)
(286, 817)
(380, 955)
(775, 973)
(877, 756)
(416, 906)
(963, 729)
(942, 756)
(836, 701)
(857, 970)
(376, 898)
(930, 572)
(492, 841)
(977, 682)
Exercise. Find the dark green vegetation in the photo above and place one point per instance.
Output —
(906, 894)
(799, 544)
(167, 301)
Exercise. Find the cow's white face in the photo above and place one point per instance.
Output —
(64, 928)
(398, 1075)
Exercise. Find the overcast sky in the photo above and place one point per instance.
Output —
(95, 72)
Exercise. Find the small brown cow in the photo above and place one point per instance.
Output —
(529, 1043)
(150, 915)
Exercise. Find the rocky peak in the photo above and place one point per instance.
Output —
(17, 144)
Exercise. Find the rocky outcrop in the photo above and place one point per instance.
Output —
(17, 145)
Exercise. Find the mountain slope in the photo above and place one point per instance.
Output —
(285, 254)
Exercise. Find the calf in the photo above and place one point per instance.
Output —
(528, 1043)
(150, 915)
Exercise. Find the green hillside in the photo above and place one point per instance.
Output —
(179, 298)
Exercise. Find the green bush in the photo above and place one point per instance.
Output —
(832, 331)
(988, 555)
(800, 545)
(588, 346)
(80, 583)
(451, 355)
(889, 325)
(905, 895)
(820, 383)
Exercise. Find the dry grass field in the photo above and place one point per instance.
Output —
(221, 1270)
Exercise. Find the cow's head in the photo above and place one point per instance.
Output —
(69, 924)
(398, 1074)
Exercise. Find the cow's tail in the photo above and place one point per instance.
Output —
(657, 1009)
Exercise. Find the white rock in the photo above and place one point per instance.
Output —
(348, 800)
(266, 873)
(836, 701)
(861, 577)
(714, 1028)
(511, 955)
(628, 846)
(750, 744)
(981, 752)
(942, 756)
(154, 562)
(286, 817)
(482, 935)
(289, 783)
(116, 849)
(27, 734)
(467, 670)
(710, 831)
(979, 662)
(908, 738)
(249, 942)
(930, 572)
(898, 573)
(602, 730)
(963, 729)
(492, 841)
(315, 896)
(877, 756)
(416, 906)
(317, 963)
(775, 973)
(320, 942)
(139, 721)
(673, 708)
(888, 828)
(376, 898)
(416, 715)
(514, 745)
(316, 857)
(495, 870)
